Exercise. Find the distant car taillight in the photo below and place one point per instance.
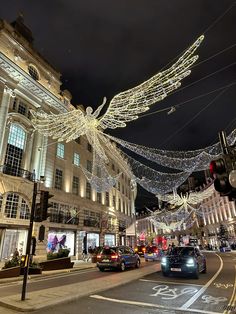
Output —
(114, 256)
(144, 250)
(156, 251)
(99, 256)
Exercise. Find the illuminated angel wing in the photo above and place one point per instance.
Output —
(197, 197)
(127, 105)
(173, 199)
(63, 127)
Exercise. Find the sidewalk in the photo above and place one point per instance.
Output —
(78, 265)
(49, 297)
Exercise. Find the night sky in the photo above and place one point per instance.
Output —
(104, 47)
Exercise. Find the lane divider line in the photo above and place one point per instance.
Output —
(232, 301)
(203, 289)
(171, 282)
(99, 297)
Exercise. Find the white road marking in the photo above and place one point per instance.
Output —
(171, 294)
(213, 300)
(203, 289)
(99, 297)
(172, 282)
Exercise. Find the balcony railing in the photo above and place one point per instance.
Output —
(17, 172)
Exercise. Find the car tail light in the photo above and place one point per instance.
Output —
(156, 251)
(144, 250)
(114, 256)
(99, 256)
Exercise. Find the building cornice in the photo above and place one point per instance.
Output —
(26, 82)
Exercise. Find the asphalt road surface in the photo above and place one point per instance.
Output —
(213, 293)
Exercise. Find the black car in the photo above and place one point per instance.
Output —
(186, 260)
(140, 249)
(117, 257)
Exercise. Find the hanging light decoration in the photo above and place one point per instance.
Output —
(185, 214)
(124, 107)
(195, 160)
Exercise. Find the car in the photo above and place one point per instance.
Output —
(225, 249)
(186, 260)
(152, 253)
(117, 257)
(140, 249)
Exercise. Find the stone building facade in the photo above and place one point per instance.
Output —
(79, 216)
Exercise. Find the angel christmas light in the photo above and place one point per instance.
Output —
(124, 107)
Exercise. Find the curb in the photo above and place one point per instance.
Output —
(40, 299)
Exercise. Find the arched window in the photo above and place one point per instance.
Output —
(17, 136)
(24, 210)
(33, 72)
(16, 206)
(11, 205)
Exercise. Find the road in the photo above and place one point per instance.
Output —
(213, 293)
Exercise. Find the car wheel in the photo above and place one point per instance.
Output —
(165, 274)
(122, 266)
(137, 265)
(196, 273)
(101, 269)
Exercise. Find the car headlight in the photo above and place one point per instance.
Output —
(190, 262)
(163, 260)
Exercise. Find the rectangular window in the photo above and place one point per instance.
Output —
(89, 148)
(99, 197)
(22, 108)
(113, 167)
(60, 150)
(77, 140)
(76, 159)
(89, 165)
(107, 199)
(114, 201)
(58, 179)
(88, 190)
(75, 185)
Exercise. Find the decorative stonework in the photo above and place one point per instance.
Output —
(26, 82)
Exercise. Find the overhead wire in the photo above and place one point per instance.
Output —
(195, 116)
(189, 100)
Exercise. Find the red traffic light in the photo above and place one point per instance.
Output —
(217, 166)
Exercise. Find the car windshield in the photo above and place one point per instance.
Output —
(184, 251)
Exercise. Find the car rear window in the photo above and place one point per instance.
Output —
(151, 249)
(108, 251)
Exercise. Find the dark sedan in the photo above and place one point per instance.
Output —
(117, 257)
(186, 260)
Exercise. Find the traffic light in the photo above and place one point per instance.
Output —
(42, 207)
(221, 169)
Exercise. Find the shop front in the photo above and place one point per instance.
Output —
(109, 239)
(61, 239)
(11, 239)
